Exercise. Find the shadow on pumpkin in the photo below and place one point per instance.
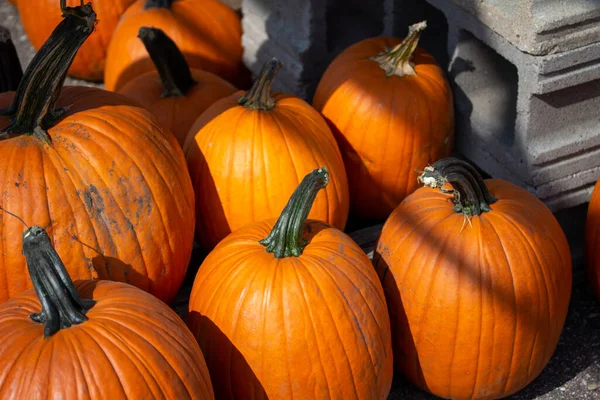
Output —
(231, 375)
(113, 269)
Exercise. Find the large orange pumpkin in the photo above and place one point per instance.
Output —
(94, 340)
(39, 17)
(391, 112)
(592, 240)
(248, 152)
(207, 32)
(477, 279)
(10, 66)
(113, 185)
(174, 94)
(297, 315)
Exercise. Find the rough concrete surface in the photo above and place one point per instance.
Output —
(574, 370)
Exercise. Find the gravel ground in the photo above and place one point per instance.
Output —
(574, 370)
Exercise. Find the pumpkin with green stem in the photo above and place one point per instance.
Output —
(175, 94)
(391, 110)
(96, 167)
(248, 152)
(94, 339)
(292, 309)
(477, 277)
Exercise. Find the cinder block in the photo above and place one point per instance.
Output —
(305, 36)
(526, 79)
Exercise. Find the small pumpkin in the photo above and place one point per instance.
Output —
(299, 314)
(248, 152)
(94, 340)
(391, 111)
(477, 277)
(10, 66)
(97, 167)
(592, 240)
(207, 32)
(174, 94)
(40, 17)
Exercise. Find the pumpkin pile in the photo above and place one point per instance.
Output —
(470, 282)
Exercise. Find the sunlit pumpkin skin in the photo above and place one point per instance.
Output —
(311, 326)
(39, 17)
(95, 340)
(476, 305)
(592, 241)
(111, 184)
(246, 162)
(386, 126)
(208, 32)
(178, 106)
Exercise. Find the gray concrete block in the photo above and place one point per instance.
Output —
(305, 36)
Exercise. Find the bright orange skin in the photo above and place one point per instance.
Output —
(40, 17)
(245, 164)
(174, 112)
(592, 240)
(308, 327)
(207, 32)
(131, 347)
(386, 127)
(113, 184)
(475, 314)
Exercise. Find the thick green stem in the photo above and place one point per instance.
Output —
(170, 63)
(397, 60)
(158, 4)
(33, 109)
(471, 195)
(285, 239)
(62, 306)
(10, 67)
(259, 95)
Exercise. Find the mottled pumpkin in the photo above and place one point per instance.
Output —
(477, 278)
(391, 112)
(248, 152)
(299, 314)
(108, 180)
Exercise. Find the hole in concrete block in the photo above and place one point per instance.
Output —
(485, 91)
(350, 21)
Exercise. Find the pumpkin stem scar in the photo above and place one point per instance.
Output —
(396, 62)
(33, 109)
(10, 67)
(62, 306)
(259, 95)
(170, 63)
(471, 195)
(158, 4)
(285, 239)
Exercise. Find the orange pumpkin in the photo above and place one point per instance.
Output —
(391, 111)
(592, 240)
(10, 66)
(248, 152)
(477, 280)
(297, 315)
(207, 32)
(94, 340)
(174, 94)
(40, 17)
(113, 185)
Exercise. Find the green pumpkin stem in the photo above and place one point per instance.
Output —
(259, 95)
(396, 62)
(62, 306)
(170, 63)
(33, 109)
(471, 195)
(285, 239)
(158, 4)
(10, 67)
